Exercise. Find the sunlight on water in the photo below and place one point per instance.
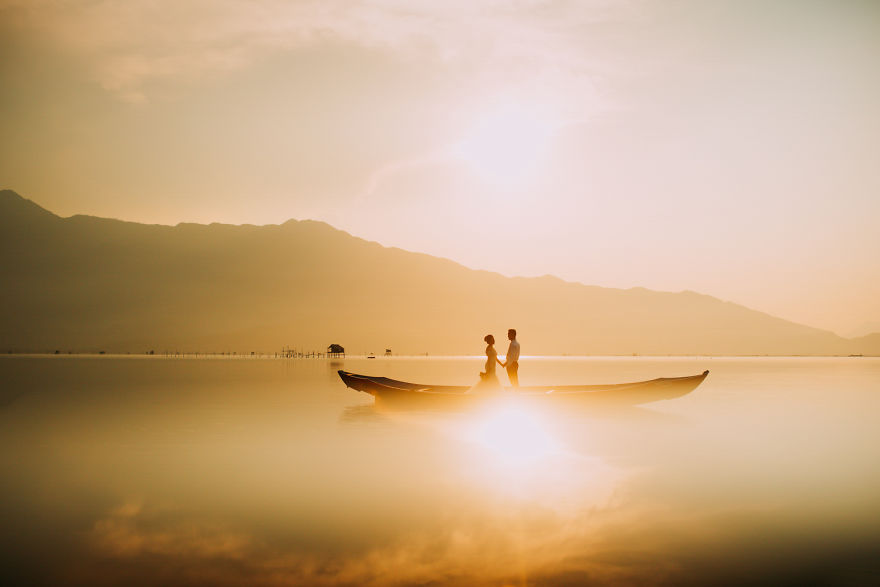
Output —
(513, 452)
(512, 436)
(241, 472)
(519, 457)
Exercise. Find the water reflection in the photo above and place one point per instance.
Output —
(362, 414)
(272, 472)
(512, 435)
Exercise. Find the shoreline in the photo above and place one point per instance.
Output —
(362, 356)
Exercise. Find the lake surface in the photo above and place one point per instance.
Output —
(268, 471)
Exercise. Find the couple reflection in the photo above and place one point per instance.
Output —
(489, 379)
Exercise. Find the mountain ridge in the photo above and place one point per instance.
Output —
(86, 282)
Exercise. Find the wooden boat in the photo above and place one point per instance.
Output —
(391, 391)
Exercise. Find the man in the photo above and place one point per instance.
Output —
(511, 361)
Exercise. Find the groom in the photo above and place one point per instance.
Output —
(511, 361)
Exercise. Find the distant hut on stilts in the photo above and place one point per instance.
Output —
(335, 350)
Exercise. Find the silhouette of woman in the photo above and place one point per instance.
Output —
(489, 376)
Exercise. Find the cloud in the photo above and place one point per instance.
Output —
(131, 46)
(130, 530)
(480, 546)
(632, 540)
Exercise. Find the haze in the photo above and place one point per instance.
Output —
(723, 147)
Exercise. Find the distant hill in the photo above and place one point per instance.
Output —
(85, 283)
(868, 345)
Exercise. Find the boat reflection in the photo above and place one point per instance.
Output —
(507, 434)
(583, 413)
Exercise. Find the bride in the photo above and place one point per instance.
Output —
(488, 379)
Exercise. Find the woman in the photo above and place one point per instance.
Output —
(489, 376)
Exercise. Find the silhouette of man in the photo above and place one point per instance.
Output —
(511, 361)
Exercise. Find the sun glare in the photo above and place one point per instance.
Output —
(505, 146)
(512, 435)
(515, 452)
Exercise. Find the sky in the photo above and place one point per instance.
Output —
(729, 148)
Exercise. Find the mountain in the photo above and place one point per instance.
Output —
(866, 329)
(868, 344)
(84, 283)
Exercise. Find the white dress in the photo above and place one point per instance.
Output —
(491, 360)
(488, 380)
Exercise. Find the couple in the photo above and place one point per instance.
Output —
(511, 361)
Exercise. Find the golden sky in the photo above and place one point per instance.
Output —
(729, 148)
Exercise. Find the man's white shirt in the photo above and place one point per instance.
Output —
(512, 353)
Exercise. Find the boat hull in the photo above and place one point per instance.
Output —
(402, 393)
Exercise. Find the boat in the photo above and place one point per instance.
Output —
(391, 391)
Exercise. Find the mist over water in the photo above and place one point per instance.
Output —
(262, 471)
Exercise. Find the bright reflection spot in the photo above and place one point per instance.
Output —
(516, 453)
(513, 436)
(505, 146)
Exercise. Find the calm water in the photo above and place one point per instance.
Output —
(263, 471)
